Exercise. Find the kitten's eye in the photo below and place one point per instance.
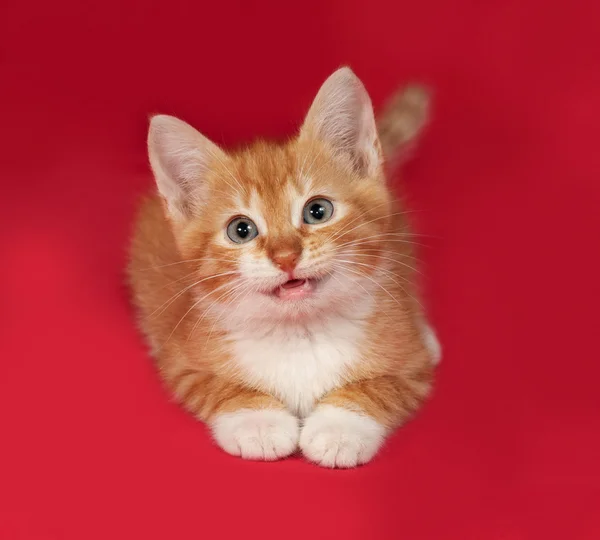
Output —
(241, 230)
(318, 211)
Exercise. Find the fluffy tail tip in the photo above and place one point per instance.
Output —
(402, 120)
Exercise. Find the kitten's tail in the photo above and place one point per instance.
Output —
(401, 122)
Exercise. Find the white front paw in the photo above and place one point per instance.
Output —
(265, 434)
(337, 437)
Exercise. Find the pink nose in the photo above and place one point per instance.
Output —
(286, 260)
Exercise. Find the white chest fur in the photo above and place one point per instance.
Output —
(300, 364)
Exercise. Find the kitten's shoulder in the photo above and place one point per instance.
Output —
(152, 239)
(150, 216)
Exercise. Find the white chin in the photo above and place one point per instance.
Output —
(294, 308)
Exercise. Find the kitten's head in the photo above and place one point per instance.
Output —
(280, 231)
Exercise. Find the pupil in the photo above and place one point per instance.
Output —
(317, 211)
(243, 229)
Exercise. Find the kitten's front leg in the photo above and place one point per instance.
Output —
(244, 422)
(350, 424)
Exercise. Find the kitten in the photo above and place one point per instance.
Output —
(275, 283)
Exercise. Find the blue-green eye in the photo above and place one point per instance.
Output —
(317, 211)
(241, 230)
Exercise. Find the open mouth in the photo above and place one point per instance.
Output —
(295, 289)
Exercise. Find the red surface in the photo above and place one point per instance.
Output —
(507, 182)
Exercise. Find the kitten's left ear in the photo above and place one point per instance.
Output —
(180, 158)
(342, 116)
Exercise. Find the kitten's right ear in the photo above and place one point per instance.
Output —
(180, 158)
(342, 116)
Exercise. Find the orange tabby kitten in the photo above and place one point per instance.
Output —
(274, 283)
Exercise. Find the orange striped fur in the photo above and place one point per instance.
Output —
(332, 372)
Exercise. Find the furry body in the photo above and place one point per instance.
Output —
(331, 366)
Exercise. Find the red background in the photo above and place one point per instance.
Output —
(507, 183)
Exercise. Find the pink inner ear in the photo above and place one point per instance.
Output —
(180, 157)
(342, 116)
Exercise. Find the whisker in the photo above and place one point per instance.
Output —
(335, 234)
(374, 281)
(362, 250)
(207, 310)
(187, 276)
(373, 268)
(170, 264)
(190, 309)
(353, 281)
(220, 259)
(387, 259)
(185, 289)
(341, 270)
(384, 289)
(373, 238)
(345, 232)
(236, 297)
